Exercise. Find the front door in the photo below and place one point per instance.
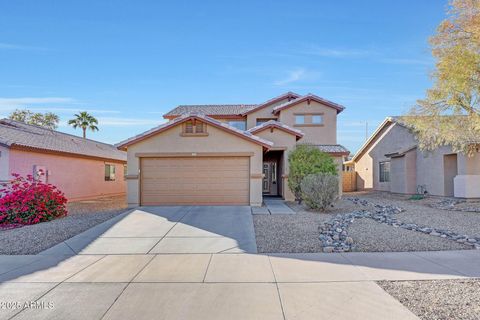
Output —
(270, 183)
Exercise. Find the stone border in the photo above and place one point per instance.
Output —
(334, 234)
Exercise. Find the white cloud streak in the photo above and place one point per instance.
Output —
(12, 46)
(122, 122)
(293, 76)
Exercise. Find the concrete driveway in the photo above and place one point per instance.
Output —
(181, 229)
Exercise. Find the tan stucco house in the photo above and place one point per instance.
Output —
(227, 154)
(390, 161)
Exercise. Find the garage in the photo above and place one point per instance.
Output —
(195, 181)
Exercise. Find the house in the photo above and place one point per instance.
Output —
(390, 161)
(227, 154)
(81, 168)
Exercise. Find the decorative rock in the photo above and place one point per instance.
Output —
(328, 249)
(349, 240)
(472, 240)
(338, 230)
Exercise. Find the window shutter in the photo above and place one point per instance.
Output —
(199, 127)
(189, 127)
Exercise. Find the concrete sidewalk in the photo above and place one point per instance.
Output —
(222, 286)
(180, 263)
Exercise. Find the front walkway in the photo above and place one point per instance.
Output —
(211, 285)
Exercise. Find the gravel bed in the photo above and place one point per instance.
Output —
(289, 233)
(417, 211)
(82, 216)
(294, 233)
(371, 236)
(438, 299)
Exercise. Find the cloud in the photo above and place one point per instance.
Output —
(334, 52)
(15, 102)
(44, 104)
(120, 122)
(11, 46)
(293, 76)
(407, 61)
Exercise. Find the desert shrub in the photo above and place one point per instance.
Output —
(319, 190)
(25, 200)
(307, 159)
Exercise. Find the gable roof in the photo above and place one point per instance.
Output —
(387, 122)
(210, 110)
(288, 95)
(308, 97)
(15, 134)
(277, 125)
(218, 124)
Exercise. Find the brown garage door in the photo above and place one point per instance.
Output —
(195, 181)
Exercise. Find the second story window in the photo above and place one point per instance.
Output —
(317, 119)
(239, 124)
(299, 119)
(263, 120)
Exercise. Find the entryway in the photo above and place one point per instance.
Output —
(272, 173)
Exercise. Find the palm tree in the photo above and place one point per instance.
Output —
(84, 121)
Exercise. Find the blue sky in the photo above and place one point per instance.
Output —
(128, 62)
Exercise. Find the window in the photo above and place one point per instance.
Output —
(385, 171)
(299, 119)
(125, 172)
(193, 127)
(189, 127)
(109, 172)
(239, 124)
(198, 127)
(317, 119)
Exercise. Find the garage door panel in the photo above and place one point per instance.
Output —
(218, 180)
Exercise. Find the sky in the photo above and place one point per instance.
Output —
(129, 62)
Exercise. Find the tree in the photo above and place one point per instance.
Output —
(307, 159)
(84, 121)
(48, 120)
(449, 115)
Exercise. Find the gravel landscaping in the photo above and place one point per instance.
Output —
(371, 236)
(438, 299)
(82, 216)
(372, 222)
(293, 233)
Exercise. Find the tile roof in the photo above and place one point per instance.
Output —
(210, 109)
(307, 97)
(276, 124)
(333, 148)
(206, 119)
(287, 95)
(14, 133)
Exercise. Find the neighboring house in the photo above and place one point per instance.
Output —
(227, 154)
(81, 168)
(390, 161)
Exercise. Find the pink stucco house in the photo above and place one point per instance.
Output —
(81, 168)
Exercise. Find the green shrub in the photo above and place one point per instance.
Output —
(319, 190)
(307, 159)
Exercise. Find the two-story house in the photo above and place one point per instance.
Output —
(227, 154)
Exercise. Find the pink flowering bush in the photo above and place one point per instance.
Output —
(30, 201)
